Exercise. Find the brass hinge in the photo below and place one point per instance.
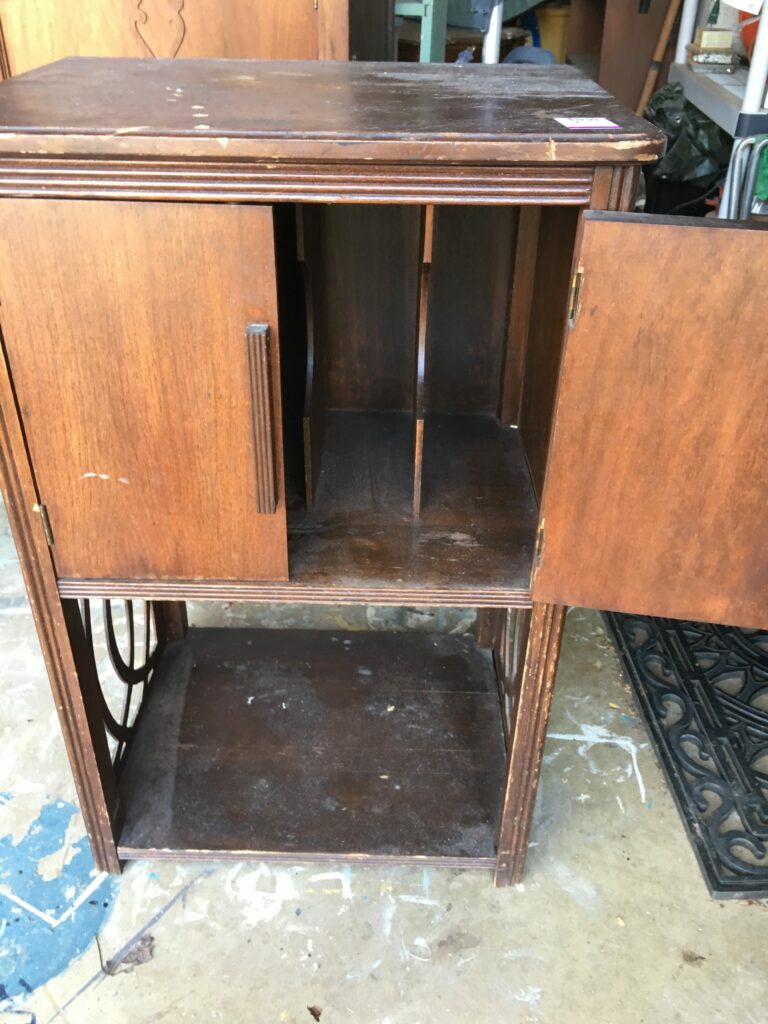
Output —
(574, 298)
(42, 511)
(539, 547)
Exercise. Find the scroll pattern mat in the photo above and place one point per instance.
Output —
(703, 692)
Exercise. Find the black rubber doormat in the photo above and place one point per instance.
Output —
(703, 692)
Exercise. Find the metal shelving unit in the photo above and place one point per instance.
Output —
(734, 102)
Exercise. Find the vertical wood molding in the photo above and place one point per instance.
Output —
(95, 793)
(260, 378)
(307, 245)
(529, 726)
(519, 317)
(602, 188)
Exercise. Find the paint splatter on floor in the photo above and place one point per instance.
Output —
(52, 901)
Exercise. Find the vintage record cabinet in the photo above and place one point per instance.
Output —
(362, 334)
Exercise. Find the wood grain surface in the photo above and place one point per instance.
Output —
(125, 327)
(338, 744)
(40, 31)
(657, 482)
(83, 107)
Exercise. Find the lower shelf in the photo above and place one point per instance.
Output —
(317, 745)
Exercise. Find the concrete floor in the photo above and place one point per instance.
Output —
(613, 921)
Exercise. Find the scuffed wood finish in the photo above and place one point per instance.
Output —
(265, 111)
(40, 31)
(137, 410)
(663, 395)
(157, 443)
(530, 715)
(86, 747)
(443, 594)
(335, 744)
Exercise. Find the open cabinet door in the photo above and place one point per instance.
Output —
(656, 495)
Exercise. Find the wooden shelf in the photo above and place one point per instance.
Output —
(313, 744)
(472, 545)
(476, 531)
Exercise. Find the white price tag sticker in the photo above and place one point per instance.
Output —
(576, 123)
(750, 6)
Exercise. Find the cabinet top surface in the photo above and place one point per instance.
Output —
(208, 109)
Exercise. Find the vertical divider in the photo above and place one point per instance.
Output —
(519, 315)
(425, 265)
(312, 419)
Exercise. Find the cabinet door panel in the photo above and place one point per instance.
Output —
(656, 498)
(142, 342)
(38, 32)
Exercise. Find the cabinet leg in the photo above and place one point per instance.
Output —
(526, 742)
(60, 633)
(173, 616)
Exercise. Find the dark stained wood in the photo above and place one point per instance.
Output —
(87, 750)
(505, 631)
(365, 279)
(225, 181)
(475, 533)
(137, 409)
(662, 510)
(490, 626)
(518, 324)
(171, 619)
(341, 744)
(552, 280)
(268, 111)
(471, 545)
(422, 324)
(371, 30)
(468, 308)
(126, 325)
(530, 715)
(312, 419)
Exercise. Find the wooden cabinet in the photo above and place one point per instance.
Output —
(359, 335)
(36, 32)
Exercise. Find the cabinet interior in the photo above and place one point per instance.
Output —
(420, 358)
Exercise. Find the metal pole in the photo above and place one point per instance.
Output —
(687, 28)
(492, 38)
